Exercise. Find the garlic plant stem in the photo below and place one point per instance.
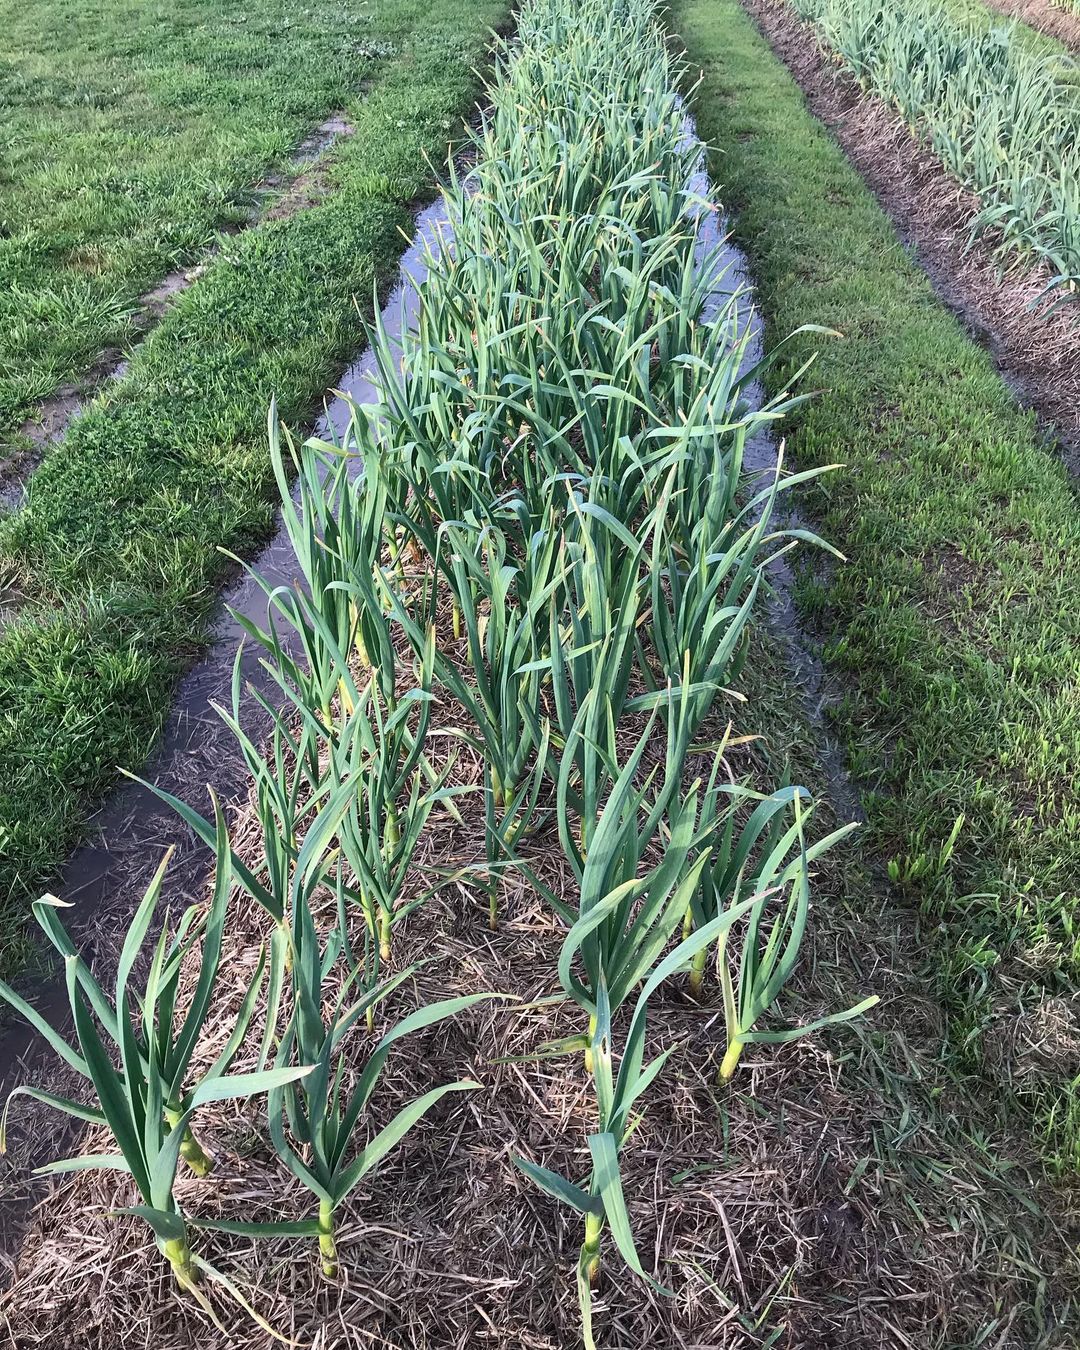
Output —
(590, 1248)
(327, 1245)
(191, 1150)
(178, 1254)
(731, 1060)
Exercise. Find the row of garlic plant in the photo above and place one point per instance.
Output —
(999, 109)
(560, 446)
(551, 530)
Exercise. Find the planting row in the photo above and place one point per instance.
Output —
(530, 572)
(952, 633)
(1000, 109)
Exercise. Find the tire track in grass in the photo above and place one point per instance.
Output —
(278, 197)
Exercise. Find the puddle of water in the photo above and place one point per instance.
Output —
(359, 384)
(322, 138)
(760, 457)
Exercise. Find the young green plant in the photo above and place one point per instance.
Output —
(765, 864)
(625, 917)
(505, 615)
(327, 1110)
(148, 1100)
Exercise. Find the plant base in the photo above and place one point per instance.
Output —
(327, 1245)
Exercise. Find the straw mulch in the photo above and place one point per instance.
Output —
(798, 1202)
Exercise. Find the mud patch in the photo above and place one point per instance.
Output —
(1035, 345)
(305, 189)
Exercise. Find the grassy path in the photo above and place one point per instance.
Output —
(1060, 21)
(115, 556)
(131, 133)
(954, 626)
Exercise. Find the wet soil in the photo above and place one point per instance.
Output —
(813, 686)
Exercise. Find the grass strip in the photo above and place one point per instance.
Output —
(131, 134)
(954, 624)
(1052, 18)
(117, 546)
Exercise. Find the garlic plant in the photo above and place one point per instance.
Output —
(337, 531)
(761, 868)
(625, 912)
(393, 795)
(137, 1049)
(325, 1109)
(625, 917)
(599, 1199)
(504, 613)
(287, 778)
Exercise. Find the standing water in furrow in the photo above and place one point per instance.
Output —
(732, 289)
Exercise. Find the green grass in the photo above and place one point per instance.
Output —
(954, 626)
(117, 547)
(929, 1151)
(131, 132)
